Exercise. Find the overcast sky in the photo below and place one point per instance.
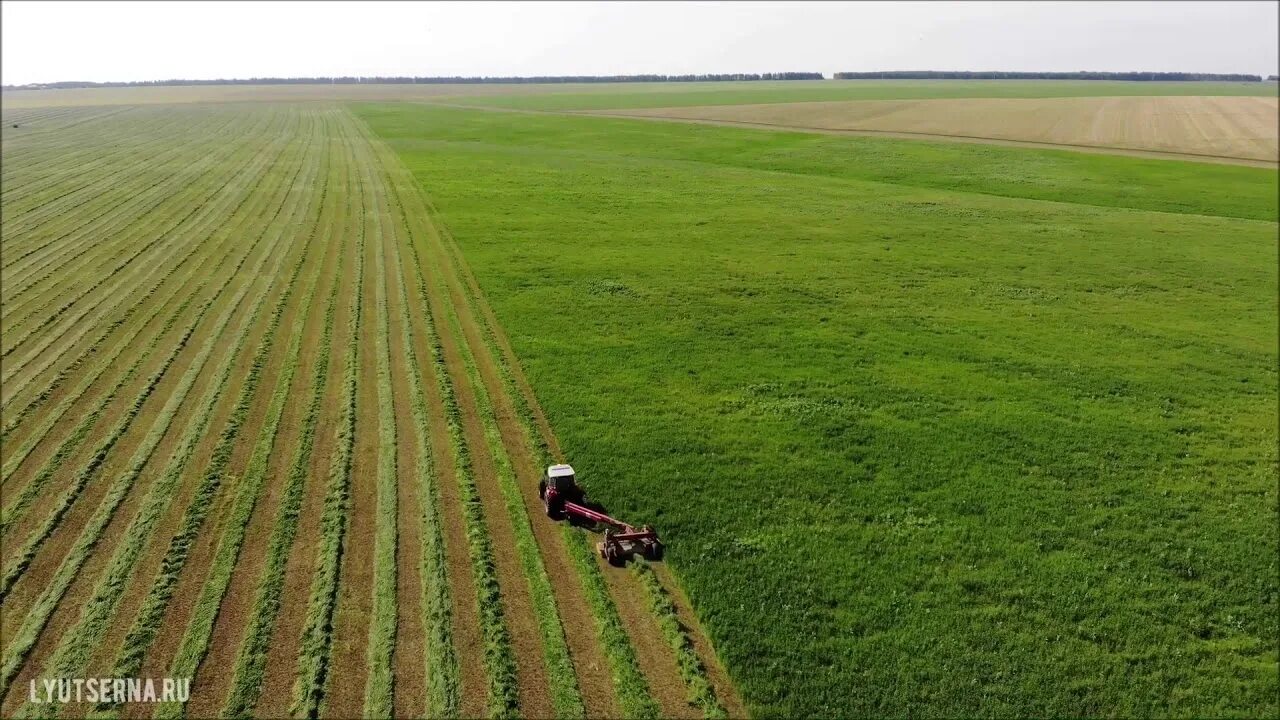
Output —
(49, 41)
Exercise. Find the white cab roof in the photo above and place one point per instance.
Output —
(560, 471)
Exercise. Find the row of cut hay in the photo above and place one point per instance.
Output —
(250, 667)
(208, 208)
(499, 661)
(699, 691)
(106, 361)
(39, 614)
(195, 641)
(379, 686)
(189, 198)
(317, 635)
(150, 618)
(82, 245)
(14, 419)
(54, 157)
(33, 488)
(105, 187)
(437, 605)
(565, 694)
(38, 221)
(97, 177)
(634, 698)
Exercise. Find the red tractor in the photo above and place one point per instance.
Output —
(563, 500)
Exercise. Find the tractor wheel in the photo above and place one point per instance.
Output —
(653, 551)
(542, 489)
(555, 508)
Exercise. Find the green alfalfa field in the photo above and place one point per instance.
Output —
(929, 429)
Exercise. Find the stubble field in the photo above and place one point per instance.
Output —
(1227, 128)
(929, 428)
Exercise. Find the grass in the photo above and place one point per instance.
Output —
(317, 634)
(928, 428)
(499, 659)
(147, 624)
(441, 660)
(629, 683)
(742, 93)
(195, 641)
(382, 629)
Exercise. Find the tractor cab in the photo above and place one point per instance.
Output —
(561, 479)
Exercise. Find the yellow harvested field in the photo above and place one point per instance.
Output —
(1220, 127)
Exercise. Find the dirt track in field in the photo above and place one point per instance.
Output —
(1219, 128)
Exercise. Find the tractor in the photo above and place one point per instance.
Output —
(564, 500)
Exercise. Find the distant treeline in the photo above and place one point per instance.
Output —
(455, 80)
(997, 75)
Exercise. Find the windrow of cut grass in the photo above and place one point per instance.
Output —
(163, 184)
(76, 174)
(65, 450)
(250, 665)
(163, 228)
(9, 392)
(149, 619)
(195, 642)
(379, 688)
(565, 695)
(44, 606)
(630, 685)
(107, 185)
(314, 654)
(180, 291)
(192, 201)
(66, 184)
(442, 681)
(499, 660)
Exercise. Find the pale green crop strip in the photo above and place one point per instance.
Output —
(202, 209)
(317, 635)
(441, 662)
(150, 617)
(39, 614)
(36, 486)
(50, 418)
(195, 641)
(250, 667)
(63, 230)
(73, 290)
(500, 665)
(379, 685)
(12, 393)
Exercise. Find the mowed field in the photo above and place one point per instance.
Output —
(929, 428)
(260, 431)
(1229, 128)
